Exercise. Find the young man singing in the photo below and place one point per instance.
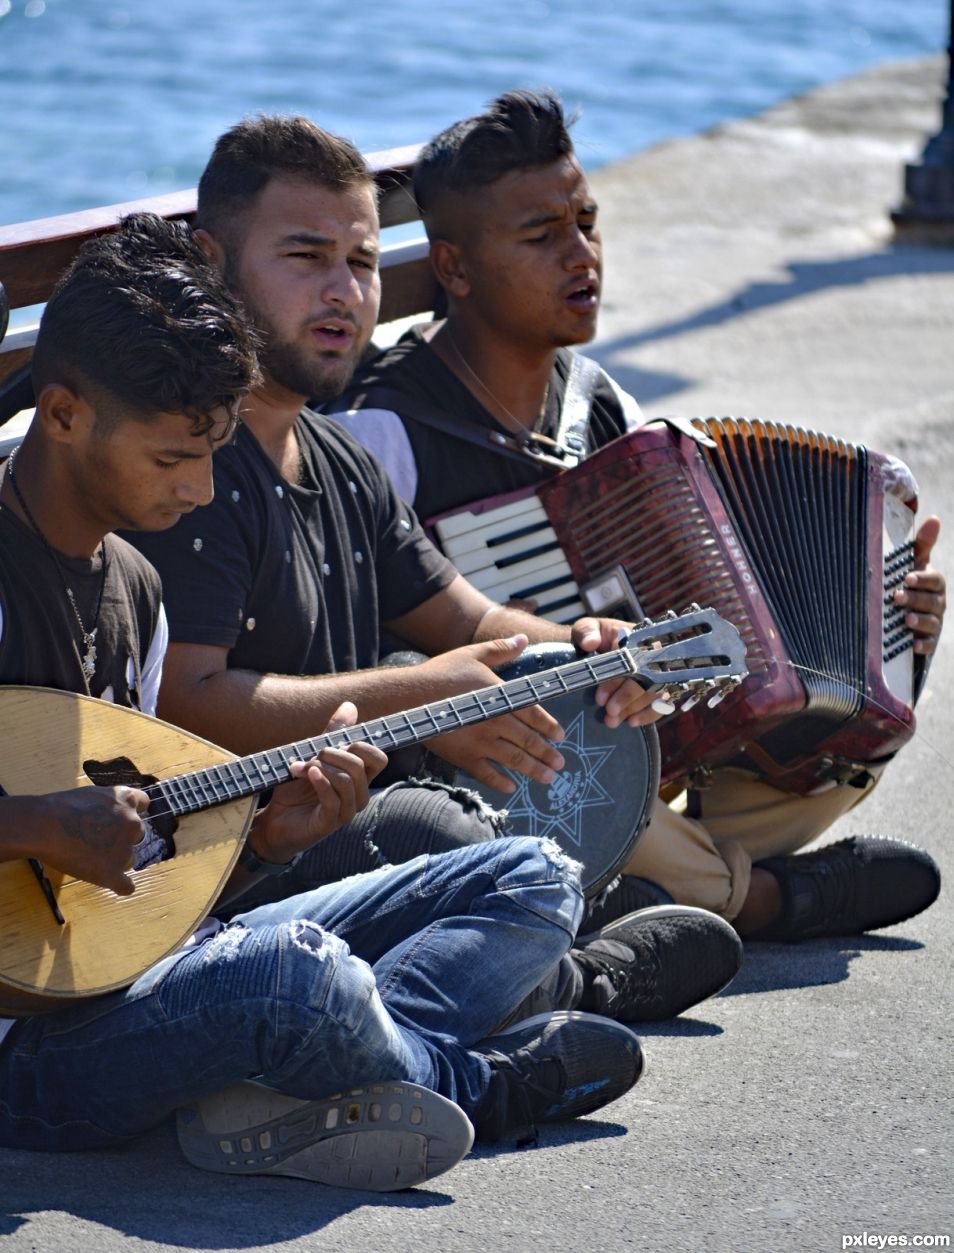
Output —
(280, 590)
(516, 247)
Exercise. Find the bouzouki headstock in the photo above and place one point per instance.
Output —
(684, 655)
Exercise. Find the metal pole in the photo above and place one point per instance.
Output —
(927, 210)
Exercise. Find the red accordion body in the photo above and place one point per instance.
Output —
(795, 537)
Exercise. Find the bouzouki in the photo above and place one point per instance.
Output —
(62, 939)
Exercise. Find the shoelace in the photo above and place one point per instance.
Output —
(832, 883)
(632, 975)
(521, 1072)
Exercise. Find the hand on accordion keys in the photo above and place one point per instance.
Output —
(924, 595)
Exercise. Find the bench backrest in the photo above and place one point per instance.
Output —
(34, 254)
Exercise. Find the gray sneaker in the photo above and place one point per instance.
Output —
(381, 1137)
(656, 963)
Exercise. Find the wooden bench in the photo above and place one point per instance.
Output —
(34, 254)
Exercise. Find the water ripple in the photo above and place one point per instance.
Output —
(103, 102)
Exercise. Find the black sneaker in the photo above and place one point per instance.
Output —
(629, 894)
(381, 1137)
(655, 963)
(856, 885)
(552, 1068)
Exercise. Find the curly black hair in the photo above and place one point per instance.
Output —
(142, 323)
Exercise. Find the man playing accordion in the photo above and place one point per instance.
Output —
(488, 399)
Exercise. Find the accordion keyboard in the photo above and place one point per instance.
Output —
(511, 552)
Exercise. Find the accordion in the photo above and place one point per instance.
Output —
(797, 538)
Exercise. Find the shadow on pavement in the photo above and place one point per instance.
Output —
(687, 1027)
(582, 1131)
(771, 967)
(146, 1190)
(120, 1189)
(803, 279)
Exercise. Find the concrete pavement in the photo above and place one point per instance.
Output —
(751, 272)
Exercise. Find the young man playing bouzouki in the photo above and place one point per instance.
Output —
(516, 247)
(385, 986)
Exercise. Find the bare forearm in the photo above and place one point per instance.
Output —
(501, 621)
(245, 712)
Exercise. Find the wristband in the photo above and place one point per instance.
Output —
(249, 860)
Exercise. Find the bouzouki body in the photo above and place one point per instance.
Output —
(106, 941)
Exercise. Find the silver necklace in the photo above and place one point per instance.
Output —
(88, 660)
(518, 427)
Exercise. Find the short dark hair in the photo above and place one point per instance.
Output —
(519, 130)
(143, 323)
(258, 149)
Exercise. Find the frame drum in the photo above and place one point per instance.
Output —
(599, 804)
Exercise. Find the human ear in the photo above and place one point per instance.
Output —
(449, 268)
(61, 412)
(213, 250)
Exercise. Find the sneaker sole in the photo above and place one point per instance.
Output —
(381, 1137)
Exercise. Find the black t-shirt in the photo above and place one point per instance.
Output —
(40, 641)
(295, 578)
(434, 469)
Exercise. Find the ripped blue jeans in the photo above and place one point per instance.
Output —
(387, 975)
(403, 821)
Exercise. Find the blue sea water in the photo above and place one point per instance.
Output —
(103, 101)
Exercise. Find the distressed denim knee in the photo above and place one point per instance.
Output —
(272, 982)
(539, 875)
(329, 1028)
(313, 1009)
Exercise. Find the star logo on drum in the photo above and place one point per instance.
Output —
(558, 810)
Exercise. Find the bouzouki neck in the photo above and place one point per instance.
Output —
(688, 651)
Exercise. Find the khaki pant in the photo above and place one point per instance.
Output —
(707, 861)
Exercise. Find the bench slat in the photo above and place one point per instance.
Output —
(33, 254)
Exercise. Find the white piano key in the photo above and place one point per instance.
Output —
(463, 545)
(528, 573)
(492, 520)
(540, 543)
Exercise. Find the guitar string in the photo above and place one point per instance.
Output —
(192, 782)
(608, 661)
